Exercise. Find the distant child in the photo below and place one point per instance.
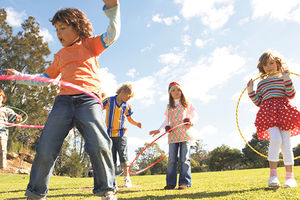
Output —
(178, 111)
(117, 109)
(6, 115)
(276, 119)
(77, 63)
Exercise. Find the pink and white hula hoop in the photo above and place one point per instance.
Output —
(46, 80)
(142, 170)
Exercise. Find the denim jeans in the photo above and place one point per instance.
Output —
(185, 177)
(120, 147)
(85, 113)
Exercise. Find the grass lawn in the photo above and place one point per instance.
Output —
(239, 184)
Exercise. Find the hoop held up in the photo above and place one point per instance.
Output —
(237, 121)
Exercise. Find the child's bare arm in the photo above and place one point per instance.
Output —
(154, 132)
(133, 122)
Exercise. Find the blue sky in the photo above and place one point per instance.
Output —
(210, 47)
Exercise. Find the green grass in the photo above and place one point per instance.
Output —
(239, 184)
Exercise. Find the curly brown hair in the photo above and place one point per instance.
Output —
(76, 18)
(266, 57)
(183, 100)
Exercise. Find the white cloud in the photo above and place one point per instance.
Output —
(170, 58)
(144, 90)
(186, 40)
(208, 130)
(109, 83)
(135, 142)
(277, 9)
(213, 13)
(167, 20)
(15, 18)
(244, 21)
(46, 35)
(132, 73)
(210, 72)
(147, 48)
(244, 99)
(200, 43)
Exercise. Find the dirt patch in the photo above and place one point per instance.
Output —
(16, 164)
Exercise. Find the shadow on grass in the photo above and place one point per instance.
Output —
(198, 195)
(81, 196)
(49, 196)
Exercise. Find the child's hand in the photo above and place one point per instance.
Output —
(111, 3)
(19, 118)
(285, 74)
(139, 124)
(189, 123)
(250, 86)
(11, 71)
(155, 132)
(167, 128)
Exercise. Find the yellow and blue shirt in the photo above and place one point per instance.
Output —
(115, 116)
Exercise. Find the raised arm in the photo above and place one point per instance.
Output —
(112, 11)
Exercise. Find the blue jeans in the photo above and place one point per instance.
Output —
(185, 175)
(85, 113)
(120, 147)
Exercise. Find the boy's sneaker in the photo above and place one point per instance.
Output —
(169, 187)
(127, 183)
(110, 195)
(273, 182)
(290, 183)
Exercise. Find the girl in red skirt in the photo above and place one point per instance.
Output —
(276, 120)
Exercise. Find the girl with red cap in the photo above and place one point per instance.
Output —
(178, 111)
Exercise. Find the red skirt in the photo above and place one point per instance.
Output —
(277, 112)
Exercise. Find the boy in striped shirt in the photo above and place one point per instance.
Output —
(117, 109)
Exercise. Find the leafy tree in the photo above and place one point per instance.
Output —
(73, 165)
(60, 164)
(26, 52)
(224, 158)
(149, 156)
(198, 157)
(252, 159)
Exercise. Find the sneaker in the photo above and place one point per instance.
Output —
(169, 187)
(290, 183)
(182, 187)
(110, 195)
(127, 183)
(274, 182)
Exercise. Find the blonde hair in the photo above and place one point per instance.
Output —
(266, 57)
(127, 87)
(75, 18)
(3, 95)
(183, 100)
